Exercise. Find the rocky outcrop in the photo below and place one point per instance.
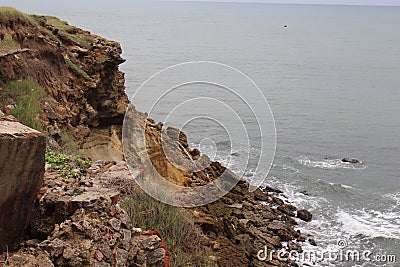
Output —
(21, 173)
(78, 222)
(304, 215)
(248, 222)
(238, 225)
(78, 70)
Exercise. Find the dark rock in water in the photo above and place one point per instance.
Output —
(277, 201)
(349, 160)
(272, 190)
(312, 241)
(304, 193)
(294, 247)
(304, 215)
(236, 154)
(287, 209)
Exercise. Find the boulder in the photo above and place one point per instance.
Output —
(304, 215)
(22, 164)
(349, 160)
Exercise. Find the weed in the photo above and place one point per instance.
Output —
(70, 32)
(7, 13)
(182, 236)
(77, 69)
(68, 144)
(7, 44)
(63, 163)
(27, 97)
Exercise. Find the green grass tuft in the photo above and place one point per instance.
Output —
(7, 13)
(70, 32)
(182, 236)
(77, 69)
(27, 97)
(7, 44)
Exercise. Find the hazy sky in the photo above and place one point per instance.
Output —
(334, 2)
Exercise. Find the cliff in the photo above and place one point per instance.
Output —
(86, 100)
(79, 72)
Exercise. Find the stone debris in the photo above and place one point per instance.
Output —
(76, 219)
(84, 226)
(248, 222)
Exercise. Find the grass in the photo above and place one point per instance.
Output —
(7, 43)
(68, 144)
(182, 237)
(71, 32)
(77, 69)
(27, 97)
(7, 13)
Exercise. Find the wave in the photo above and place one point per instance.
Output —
(330, 164)
(370, 223)
(286, 167)
(394, 198)
(334, 185)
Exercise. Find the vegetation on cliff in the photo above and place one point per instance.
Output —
(185, 240)
(22, 100)
(64, 79)
(77, 70)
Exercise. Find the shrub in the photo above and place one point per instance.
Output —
(182, 237)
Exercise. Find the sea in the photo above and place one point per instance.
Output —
(331, 76)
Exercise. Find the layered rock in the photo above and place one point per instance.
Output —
(86, 98)
(238, 225)
(78, 222)
(21, 173)
(78, 70)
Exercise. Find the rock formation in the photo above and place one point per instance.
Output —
(21, 173)
(79, 72)
(77, 221)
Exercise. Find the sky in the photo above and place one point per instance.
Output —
(332, 2)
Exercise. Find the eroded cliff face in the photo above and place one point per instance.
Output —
(86, 98)
(78, 70)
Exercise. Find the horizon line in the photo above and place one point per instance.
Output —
(285, 3)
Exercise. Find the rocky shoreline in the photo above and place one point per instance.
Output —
(79, 222)
(78, 217)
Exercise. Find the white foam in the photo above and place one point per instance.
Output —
(395, 197)
(341, 185)
(329, 164)
(371, 223)
(290, 168)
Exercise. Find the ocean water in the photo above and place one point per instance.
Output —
(332, 81)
